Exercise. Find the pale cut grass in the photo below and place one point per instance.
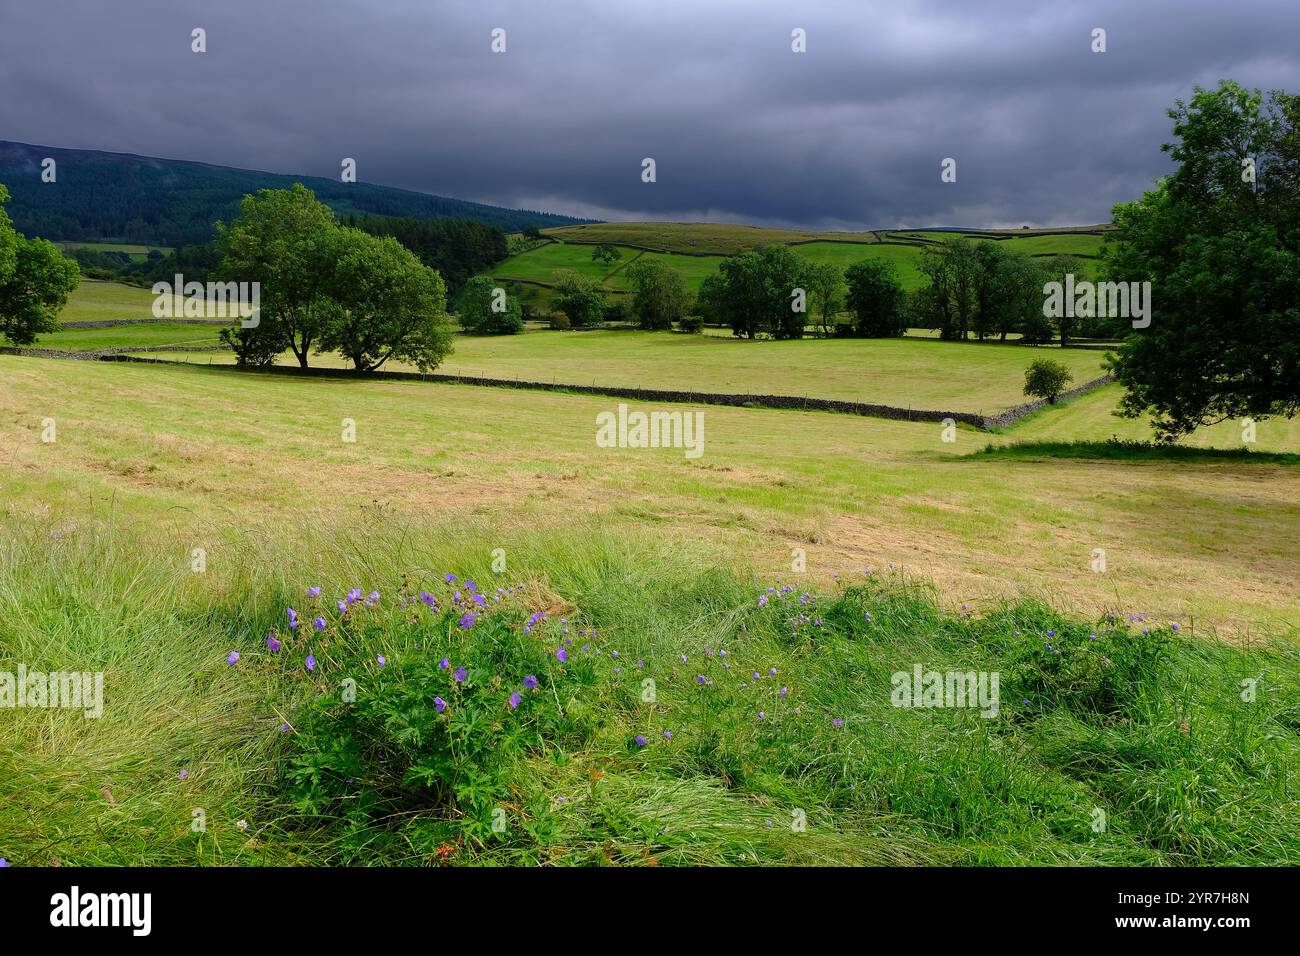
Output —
(215, 449)
(909, 372)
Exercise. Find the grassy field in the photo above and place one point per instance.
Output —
(669, 660)
(904, 259)
(1209, 540)
(915, 372)
(135, 251)
(96, 301)
(666, 561)
(706, 243)
(541, 264)
(141, 334)
(901, 372)
(692, 237)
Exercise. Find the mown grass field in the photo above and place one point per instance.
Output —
(151, 333)
(907, 372)
(662, 559)
(1209, 540)
(95, 301)
(769, 592)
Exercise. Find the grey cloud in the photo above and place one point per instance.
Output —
(849, 134)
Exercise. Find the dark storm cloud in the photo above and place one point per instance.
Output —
(849, 134)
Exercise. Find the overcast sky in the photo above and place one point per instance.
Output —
(849, 134)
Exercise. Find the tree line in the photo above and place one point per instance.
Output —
(978, 289)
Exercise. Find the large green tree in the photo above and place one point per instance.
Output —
(383, 304)
(949, 302)
(876, 298)
(823, 280)
(754, 292)
(35, 279)
(659, 297)
(287, 241)
(483, 311)
(1219, 241)
(581, 299)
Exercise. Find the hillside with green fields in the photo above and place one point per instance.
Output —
(694, 250)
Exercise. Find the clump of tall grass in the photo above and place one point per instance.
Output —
(607, 701)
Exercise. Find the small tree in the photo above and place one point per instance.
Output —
(582, 300)
(876, 298)
(1046, 378)
(484, 311)
(606, 253)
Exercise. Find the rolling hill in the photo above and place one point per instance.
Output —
(141, 199)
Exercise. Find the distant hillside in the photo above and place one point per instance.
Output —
(169, 202)
(709, 238)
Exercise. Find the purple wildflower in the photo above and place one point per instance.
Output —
(311, 662)
(382, 662)
(459, 675)
(273, 643)
(561, 655)
(838, 722)
(233, 658)
(449, 578)
(440, 704)
(530, 681)
(467, 619)
(514, 700)
(313, 592)
(319, 623)
(293, 619)
(182, 775)
(668, 735)
(641, 741)
(443, 664)
(784, 691)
